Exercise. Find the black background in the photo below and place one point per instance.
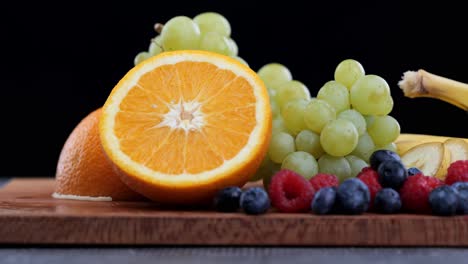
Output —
(60, 60)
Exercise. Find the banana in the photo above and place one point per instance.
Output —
(421, 138)
(431, 158)
(404, 146)
(407, 141)
(458, 149)
(425, 84)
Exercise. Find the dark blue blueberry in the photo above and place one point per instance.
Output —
(462, 202)
(387, 201)
(413, 171)
(444, 200)
(462, 188)
(392, 174)
(255, 201)
(227, 199)
(324, 200)
(352, 197)
(380, 156)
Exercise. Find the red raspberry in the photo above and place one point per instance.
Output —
(415, 192)
(457, 172)
(323, 180)
(290, 192)
(370, 178)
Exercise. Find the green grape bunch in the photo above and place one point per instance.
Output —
(334, 132)
(207, 31)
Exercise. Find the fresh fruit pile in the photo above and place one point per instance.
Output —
(188, 125)
(207, 31)
(335, 132)
(386, 186)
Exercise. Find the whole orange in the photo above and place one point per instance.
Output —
(83, 170)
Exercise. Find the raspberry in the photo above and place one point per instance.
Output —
(415, 192)
(323, 180)
(457, 172)
(371, 179)
(290, 192)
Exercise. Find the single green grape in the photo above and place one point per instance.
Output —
(241, 60)
(356, 164)
(213, 22)
(384, 130)
(364, 148)
(309, 141)
(339, 137)
(267, 169)
(234, 47)
(302, 163)
(180, 33)
(348, 72)
(272, 94)
(274, 75)
(370, 95)
(391, 146)
(317, 114)
(280, 146)
(293, 115)
(214, 42)
(356, 118)
(291, 90)
(140, 57)
(275, 109)
(338, 166)
(369, 120)
(336, 94)
(278, 125)
(155, 46)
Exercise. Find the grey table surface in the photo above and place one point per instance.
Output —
(232, 255)
(10, 254)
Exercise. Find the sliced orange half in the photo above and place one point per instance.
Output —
(182, 125)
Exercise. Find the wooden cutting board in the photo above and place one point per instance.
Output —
(28, 215)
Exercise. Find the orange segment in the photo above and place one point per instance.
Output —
(201, 155)
(237, 119)
(184, 124)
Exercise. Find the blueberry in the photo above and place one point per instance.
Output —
(380, 156)
(353, 197)
(413, 171)
(254, 201)
(324, 200)
(387, 201)
(227, 199)
(444, 200)
(392, 174)
(462, 202)
(462, 188)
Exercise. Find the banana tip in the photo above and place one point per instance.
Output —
(411, 83)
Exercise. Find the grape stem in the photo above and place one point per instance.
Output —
(158, 27)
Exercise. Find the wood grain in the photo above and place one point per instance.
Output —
(28, 215)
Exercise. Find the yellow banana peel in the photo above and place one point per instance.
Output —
(424, 84)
